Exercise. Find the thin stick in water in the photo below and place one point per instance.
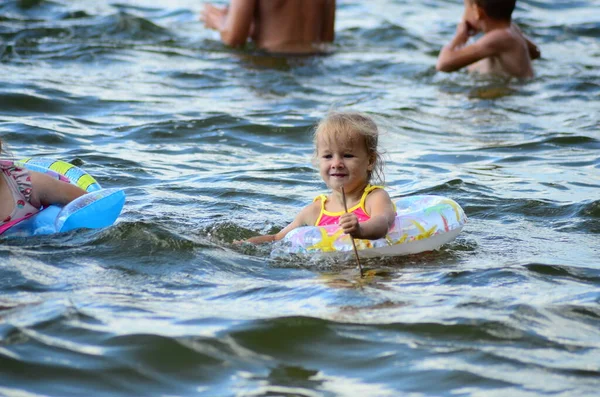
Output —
(353, 243)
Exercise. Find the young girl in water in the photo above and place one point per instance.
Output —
(347, 156)
(23, 192)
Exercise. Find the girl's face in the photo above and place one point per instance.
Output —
(344, 161)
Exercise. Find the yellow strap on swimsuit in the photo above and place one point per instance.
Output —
(361, 204)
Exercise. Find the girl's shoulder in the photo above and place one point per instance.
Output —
(321, 198)
(375, 192)
(309, 214)
(7, 165)
(376, 195)
(13, 169)
(315, 206)
(21, 177)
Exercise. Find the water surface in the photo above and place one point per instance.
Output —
(214, 145)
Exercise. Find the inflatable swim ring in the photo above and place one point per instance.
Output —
(97, 209)
(423, 223)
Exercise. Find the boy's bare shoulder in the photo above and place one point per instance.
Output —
(500, 40)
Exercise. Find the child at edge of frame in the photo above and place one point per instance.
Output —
(502, 50)
(23, 193)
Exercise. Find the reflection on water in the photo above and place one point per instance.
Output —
(214, 145)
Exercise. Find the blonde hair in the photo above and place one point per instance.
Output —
(343, 124)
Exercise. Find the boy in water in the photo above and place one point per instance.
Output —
(279, 26)
(503, 49)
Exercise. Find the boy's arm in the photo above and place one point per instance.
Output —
(534, 51)
(233, 24)
(328, 32)
(47, 190)
(382, 212)
(454, 56)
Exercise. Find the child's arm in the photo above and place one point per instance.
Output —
(47, 190)
(455, 55)
(303, 218)
(534, 51)
(233, 23)
(381, 208)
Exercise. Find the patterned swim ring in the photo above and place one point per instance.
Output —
(61, 170)
(423, 223)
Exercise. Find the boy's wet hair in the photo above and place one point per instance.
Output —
(497, 9)
(342, 124)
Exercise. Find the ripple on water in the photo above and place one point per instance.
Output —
(214, 145)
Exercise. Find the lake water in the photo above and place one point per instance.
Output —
(214, 145)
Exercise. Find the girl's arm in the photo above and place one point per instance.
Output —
(305, 217)
(383, 214)
(47, 190)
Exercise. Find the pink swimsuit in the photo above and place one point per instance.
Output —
(332, 218)
(19, 182)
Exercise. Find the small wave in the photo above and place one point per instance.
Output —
(77, 35)
(487, 277)
(144, 238)
(591, 209)
(385, 35)
(580, 274)
(27, 103)
(123, 26)
(570, 31)
(138, 239)
(550, 142)
(590, 29)
(589, 314)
